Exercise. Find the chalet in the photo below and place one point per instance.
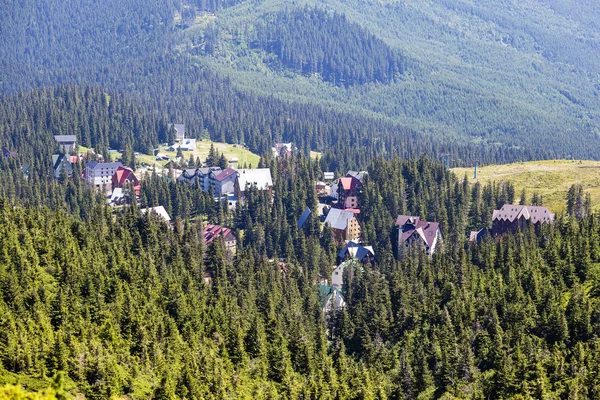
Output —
(344, 224)
(337, 275)
(510, 218)
(304, 218)
(124, 177)
(348, 189)
(158, 211)
(282, 149)
(61, 166)
(66, 143)
(179, 131)
(224, 181)
(185, 145)
(259, 178)
(189, 176)
(211, 232)
(331, 299)
(100, 174)
(355, 250)
(8, 154)
(414, 232)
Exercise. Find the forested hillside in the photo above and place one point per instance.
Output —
(119, 302)
(488, 75)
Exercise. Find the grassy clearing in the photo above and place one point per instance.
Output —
(202, 149)
(551, 179)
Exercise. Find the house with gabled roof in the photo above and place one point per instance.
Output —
(304, 218)
(510, 218)
(344, 223)
(212, 232)
(224, 181)
(159, 211)
(124, 177)
(179, 131)
(61, 166)
(331, 299)
(355, 250)
(348, 189)
(412, 231)
(282, 149)
(260, 178)
(8, 154)
(66, 143)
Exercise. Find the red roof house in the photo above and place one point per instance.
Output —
(413, 231)
(212, 232)
(124, 176)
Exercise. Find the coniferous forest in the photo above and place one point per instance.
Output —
(100, 301)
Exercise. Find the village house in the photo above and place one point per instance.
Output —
(259, 178)
(66, 143)
(348, 189)
(355, 250)
(100, 174)
(331, 299)
(212, 232)
(224, 181)
(344, 224)
(61, 166)
(510, 218)
(8, 154)
(158, 211)
(412, 231)
(304, 218)
(282, 149)
(179, 131)
(189, 176)
(185, 145)
(337, 275)
(124, 177)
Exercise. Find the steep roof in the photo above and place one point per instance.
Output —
(211, 232)
(259, 177)
(226, 173)
(360, 175)
(511, 212)
(409, 225)
(356, 250)
(339, 219)
(304, 217)
(159, 210)
(347, 183)
(122, 174)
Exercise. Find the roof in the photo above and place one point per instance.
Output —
(259, 177)
(95, 164)
(347, 183)
(211, 232)
(208, 170)
(331, 298)
(58, 159)
(226, 173)
(356, 250)
(180, 129)
(511, 212)
(360, 175)
(116, 194)
(159, 210)
(65, 138)
(328, 175)
(304, 217)
(338, 219)
(122, 174)
(409, 224)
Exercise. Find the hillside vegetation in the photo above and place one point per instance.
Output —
(551, 179)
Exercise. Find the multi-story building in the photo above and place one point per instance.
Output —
(100, 174)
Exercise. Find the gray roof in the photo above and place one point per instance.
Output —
(259, 177)
(65, 138)
(94, 165)
(180, 128)
(511, 212)
(338, 219)
(304, 217)
(356, 250)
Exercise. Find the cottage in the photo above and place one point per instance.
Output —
(304, 218)
(331, 299)
(282, 149)
(61, 166)
(124, 177)
(344, 224)
(348, 190)
(179, 131)
(100, 174)
(511, 217)
(158, 211)
(188, 145)
(188, 176)
(66, 143)
(259, 178)
(212, 232)
(224, 181)
(355, 250)
(414, 232)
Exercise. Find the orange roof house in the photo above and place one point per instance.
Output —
(125, 176)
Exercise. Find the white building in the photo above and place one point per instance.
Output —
(258, 177)
(100, 174)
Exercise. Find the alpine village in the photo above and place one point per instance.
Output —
(308, 200)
